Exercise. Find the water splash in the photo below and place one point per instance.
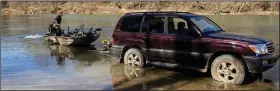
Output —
(34, 36)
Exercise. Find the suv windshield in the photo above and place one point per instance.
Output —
(204, 24)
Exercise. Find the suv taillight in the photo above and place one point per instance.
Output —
(112, 41)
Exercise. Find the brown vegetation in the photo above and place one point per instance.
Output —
(47, 7)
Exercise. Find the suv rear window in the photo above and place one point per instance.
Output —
(153, 24)
(131, 24)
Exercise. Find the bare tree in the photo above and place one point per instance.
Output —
(55, 6)
(178, 6)
(253, 6)
(158, 6)
(241, 7)
(4, 4)
(119, 4)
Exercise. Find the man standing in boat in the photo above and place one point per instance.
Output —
(58, 17)
(54, 28)
(57, 23)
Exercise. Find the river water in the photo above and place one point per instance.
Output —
(32, 64)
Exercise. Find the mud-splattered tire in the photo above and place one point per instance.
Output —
(133, 57)
(229, 69)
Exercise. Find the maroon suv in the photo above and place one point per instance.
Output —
(182, 39)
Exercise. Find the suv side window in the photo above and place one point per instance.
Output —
(177, 25)
(153, 24)
(131, 24)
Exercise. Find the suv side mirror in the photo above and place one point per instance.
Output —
(98, 29)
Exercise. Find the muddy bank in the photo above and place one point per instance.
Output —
(205, 8)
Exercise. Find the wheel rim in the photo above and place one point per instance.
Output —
(227, 71)
(133, 60)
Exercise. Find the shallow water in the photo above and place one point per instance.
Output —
(32, 64)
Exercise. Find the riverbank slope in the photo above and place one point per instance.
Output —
(205, 8)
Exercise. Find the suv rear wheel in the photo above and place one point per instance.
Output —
(229, 69)
(133, 57)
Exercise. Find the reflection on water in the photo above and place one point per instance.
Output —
(32, 64)
(81, 54)
(130, 78)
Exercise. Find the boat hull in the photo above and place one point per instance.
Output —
(72, 41)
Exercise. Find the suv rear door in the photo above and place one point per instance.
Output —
(152, 36)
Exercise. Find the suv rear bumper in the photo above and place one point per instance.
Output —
(116, 50)
(255, 64)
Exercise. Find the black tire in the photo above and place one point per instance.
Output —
(229, 69)
(138, 62)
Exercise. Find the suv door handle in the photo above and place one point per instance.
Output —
(142, 37)
(169, 39)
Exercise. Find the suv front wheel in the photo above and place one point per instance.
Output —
(133, 57)
(229, 69)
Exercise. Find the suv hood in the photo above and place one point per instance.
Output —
(238, 37)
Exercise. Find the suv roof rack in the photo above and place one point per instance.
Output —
(161, 12)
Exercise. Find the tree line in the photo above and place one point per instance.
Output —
(44, 7)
